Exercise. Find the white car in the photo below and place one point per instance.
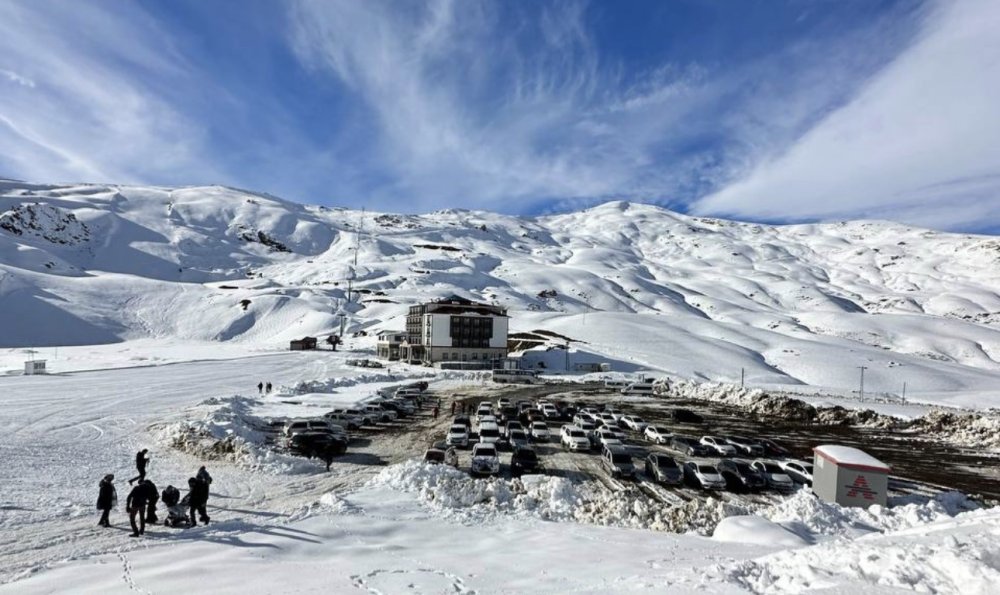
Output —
(583, 417)
(485, 460)
(607, 419)
(718, 445)
(458, 435)
(489, 433)
(617, 415)
(607, 438)
(799, 471)
(634, 422)
(774, 475)
(574, 438)
(486, 420)
(539, 431)
(657, 435)
(503, 402)
(383, 415)
(704, 476)
(484, 412)
(550, 412)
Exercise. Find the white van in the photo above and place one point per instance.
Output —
(638, 388)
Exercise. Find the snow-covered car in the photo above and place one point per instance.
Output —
(747, 447)
(458, 435)
(704, 476)
(524, 460)
(574, 438)
(441, 453)
(517, 438)
(634, 423)
(607, 438)
(381, 414)
(775, 477)
(799, 471)
(662, 468)
(740, 476)
(485, 460)
(718, 446)
(687, 445)
(539, 431)
(617, 461)
(655, 434)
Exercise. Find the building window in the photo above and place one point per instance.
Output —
(444, 356)
(475, 356)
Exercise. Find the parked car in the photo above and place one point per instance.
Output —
(740, 476)
(503, 402)
(517, 438)
(524, 460)
(774, 476)
(773, 449)
(484, 411)
(550, 412)
(687, 445)
(401, 409)
(381, 413)
(686, 416)
(488, 420)
(746, 446)
(315, 443)
(539, 431)
(634, 423)
(704, 476)
(511, 425)
(655, 434)
(507, 414)
(574, 438)
(485, 460)
(583, 417)
(441, 453)
(799, 471)
(591, 431)
(662, 468)
(606, 419)
(489, 433)
(458, 435)
(351, 422)
(298, 426)
(718, 445)
(617, 461)
(613, 412)
(607, 438)
(566, 410)
(363, 418)
(463, 420)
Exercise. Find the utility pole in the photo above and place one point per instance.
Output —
(861, 392)
(742, 376)
(904, 391)
(567, 356)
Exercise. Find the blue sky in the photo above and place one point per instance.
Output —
(762, 110)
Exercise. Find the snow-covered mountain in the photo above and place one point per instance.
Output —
(647, 287)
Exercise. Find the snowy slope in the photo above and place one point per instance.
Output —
(642, 286)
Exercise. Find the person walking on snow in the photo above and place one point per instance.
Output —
(197, 500)
(453, 407)
(141, 459)
(260, 388)
(435, 413)
(268, 388)
(152, 497)
(136, 507)
(107, 497)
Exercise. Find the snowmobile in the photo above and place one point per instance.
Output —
(176, 511)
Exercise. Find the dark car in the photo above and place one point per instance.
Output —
(664, 469)
(507, 413)
(689, 446)
(395, 406)
(567, 411)
(686, 416)
(524, 460)
(313, 444)
(463, 420)
(740, 476)
(773, 449)
(441, 453)
(746, 446)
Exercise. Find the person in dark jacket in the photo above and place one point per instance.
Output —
(141, 459)
(203, 475)
(197, 500)
(260, 388)
(107, 496)
(152, 497)
(268, 386)
(136, 507)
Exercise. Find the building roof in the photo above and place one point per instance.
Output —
(850, 457)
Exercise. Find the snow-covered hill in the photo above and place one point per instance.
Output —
(636, 284)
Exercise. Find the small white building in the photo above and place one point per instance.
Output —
(849, 476)
(35, 366)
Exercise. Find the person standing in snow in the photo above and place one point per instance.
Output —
(197, 500)
(260, 388)
(268, 388)
(107, 497)
(152, 497)
(435, 413)
(203, 475)
(453, 403)
(141, 459)
(136, 507)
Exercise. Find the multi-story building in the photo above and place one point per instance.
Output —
(455, 332)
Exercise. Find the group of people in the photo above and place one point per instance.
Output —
(264, 388)
(144, 496)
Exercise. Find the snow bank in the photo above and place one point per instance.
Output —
(227, 430)
(756, 530)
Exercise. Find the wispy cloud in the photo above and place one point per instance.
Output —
(919, 142)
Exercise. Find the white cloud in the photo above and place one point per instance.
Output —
(14, 77)
(920, 142)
